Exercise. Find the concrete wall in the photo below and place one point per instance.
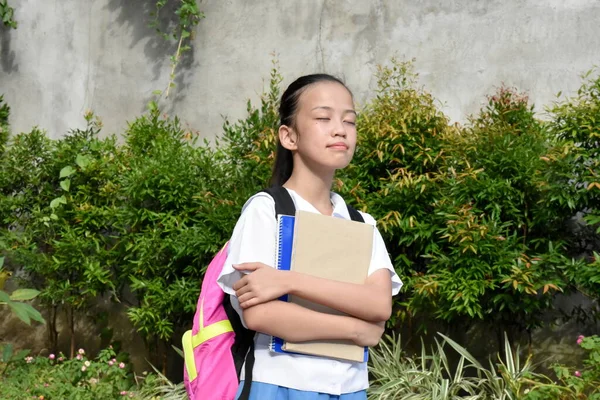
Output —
(68, 56)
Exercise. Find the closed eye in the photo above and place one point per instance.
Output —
(353, 123)
(323, 119)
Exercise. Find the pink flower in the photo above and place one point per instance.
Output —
(83, 368)
(123, 393)
(87, 363)
(578, 374)
(111, 363)
(81, 351)
(52, 356)
(79, 357)
(122, 365)
(580, 339)
(28, 360)
(61, 359)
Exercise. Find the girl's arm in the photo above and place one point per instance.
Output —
(294, 323)
(371, 301)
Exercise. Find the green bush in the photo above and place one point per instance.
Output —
(499, 253)
(475, 217)
(107, 376)
(576, 121)
(438, 374)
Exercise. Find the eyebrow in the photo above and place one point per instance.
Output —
(331, 109)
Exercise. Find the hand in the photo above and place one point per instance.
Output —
(261, 285)
(369, 333)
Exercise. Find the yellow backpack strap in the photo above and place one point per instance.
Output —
(190, 342)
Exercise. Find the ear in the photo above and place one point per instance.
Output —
(288, 137)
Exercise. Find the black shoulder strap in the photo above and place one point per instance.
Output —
(284, 204)
(354, 214)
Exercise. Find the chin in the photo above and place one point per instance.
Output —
(340, 165)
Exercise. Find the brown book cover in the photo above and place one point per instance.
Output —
(330, 248)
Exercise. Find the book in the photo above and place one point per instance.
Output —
(330, 248)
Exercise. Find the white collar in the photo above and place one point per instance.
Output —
(340, 209)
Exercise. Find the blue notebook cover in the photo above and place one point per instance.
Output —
(285, 240)
(285, 244)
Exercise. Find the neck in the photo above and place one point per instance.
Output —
(314, 188)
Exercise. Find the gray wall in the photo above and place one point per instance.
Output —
(68, 56)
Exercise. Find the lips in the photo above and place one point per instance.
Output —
(338, 146)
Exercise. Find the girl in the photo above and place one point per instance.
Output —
(317, 136)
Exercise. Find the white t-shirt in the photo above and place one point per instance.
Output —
(254, 240)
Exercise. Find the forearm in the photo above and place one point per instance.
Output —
(364, 301)
(298, 324)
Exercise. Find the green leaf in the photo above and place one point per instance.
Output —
(4, 297)
(24, 294)
(21, 311)
(178, 350)
(21, 354)
(82, 161)
(7, 353)
(35, 314)
(67, 171)
(1, 261)
(58, 201)
(66, 184)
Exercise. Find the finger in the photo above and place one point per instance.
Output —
(252, 302)
(246, 266)
(240, 283)
(243, 290)
(245, 298)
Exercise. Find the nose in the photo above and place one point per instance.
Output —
(339, 129)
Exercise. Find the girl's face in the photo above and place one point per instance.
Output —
(325, 127)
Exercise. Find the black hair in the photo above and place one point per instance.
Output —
(284, 162)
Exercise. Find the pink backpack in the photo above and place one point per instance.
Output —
(209, 370)
(218, 344)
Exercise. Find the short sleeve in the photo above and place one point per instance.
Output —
(253, 240)
(380, 258)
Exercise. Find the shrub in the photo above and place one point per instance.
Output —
(499, 253)
(434, 375)
(576, 120)
(107, 376)
(474, 217)
(61, 229)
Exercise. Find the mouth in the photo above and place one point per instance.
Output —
(338, 146)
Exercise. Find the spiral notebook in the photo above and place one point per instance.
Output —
(327, 247)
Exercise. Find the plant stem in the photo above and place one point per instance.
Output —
(72, 330)
(174, 65)
(52, 332)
